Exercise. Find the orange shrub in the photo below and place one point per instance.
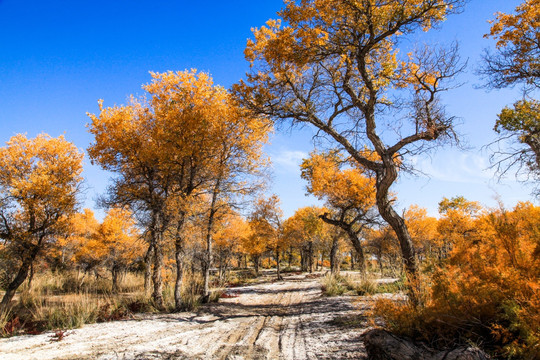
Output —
(487, 291)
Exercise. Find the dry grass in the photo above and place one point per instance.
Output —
(69, 300)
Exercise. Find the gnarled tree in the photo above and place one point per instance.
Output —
(335, 65)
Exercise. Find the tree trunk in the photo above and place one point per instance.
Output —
(357, 244)
(157, 279)
(31, 276)
(290, 257)
(20, 278)
(334, 261)
(148, 270)
(303, 259)
(310, 256)
(352, 260)
(256, 259)
(277, 265)
(114, 274)
(384, 180)
(178, 255)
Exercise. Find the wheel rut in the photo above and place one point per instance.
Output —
(272, 320)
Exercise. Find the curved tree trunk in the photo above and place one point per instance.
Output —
(384, 180)
(22, 274)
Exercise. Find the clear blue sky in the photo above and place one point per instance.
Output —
(57, 58)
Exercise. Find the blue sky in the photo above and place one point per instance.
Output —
(57, 58)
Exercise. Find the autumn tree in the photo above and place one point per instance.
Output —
(39, 182)
(349, 193)
(74, 247)
(126, 144)
(516, 61)
(457, 222)
(186, 140)
(423, 229)
(232, 232)
(306, 229)
(335, 65)
(267, 222)
(120, 241)
(253, 245)
(486, 290)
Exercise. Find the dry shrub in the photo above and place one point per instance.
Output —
(333, 285)
(487, 291)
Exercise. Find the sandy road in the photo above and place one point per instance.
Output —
(275, 320)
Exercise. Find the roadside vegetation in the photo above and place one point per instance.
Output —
(186, 215)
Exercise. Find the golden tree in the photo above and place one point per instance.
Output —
(349, 193)
(267, 224)
(335, 65)
(119, 241)
(306, 229)
(39, 182)
(189, 138)
(516, 60)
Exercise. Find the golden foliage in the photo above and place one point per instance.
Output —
(486, 291)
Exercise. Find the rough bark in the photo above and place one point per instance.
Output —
(148, 270)
(382, 345)
(21, 276)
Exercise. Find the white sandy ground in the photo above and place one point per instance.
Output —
(275, 320)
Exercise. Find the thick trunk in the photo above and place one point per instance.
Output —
(256, 264)
(31, 276)
(20, 278)
(303, 260)
(352, 260)
(14, 285)
(384, 181)
(148, 271)
(357, 244)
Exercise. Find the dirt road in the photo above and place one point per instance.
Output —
(275, 320)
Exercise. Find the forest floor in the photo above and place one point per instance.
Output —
(287, 319)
